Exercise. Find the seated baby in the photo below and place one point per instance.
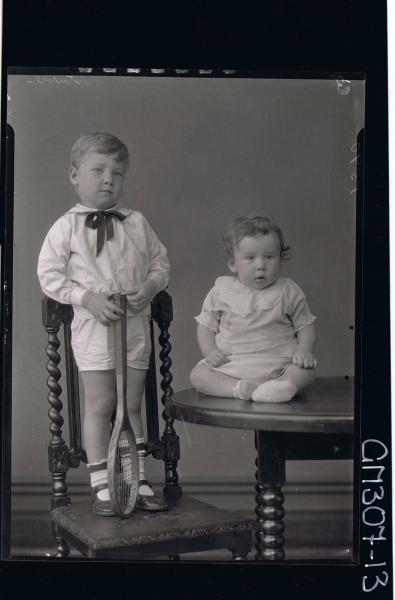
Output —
(255, 330)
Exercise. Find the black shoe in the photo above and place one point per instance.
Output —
(150, 503)
(101, 508)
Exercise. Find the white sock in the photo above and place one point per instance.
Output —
(274, 391)
(98, 476)
(144, 489)
(244, 388)
(103, 494)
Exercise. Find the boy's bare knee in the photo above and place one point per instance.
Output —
(101, 410)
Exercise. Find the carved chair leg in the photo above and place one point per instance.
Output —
(241, 546)
(171, 444)
(270, 476)
(170, 440)
(58, 453)
(239, 557)
(59, 498)
(62, 547)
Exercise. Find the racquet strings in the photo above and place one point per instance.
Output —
(125, 471)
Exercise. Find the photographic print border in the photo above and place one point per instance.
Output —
(373, 455)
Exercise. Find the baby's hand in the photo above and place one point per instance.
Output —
(304, 360)
(138, 298)
(102, 307)
(216, 358)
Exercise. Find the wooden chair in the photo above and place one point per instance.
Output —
(189, 526)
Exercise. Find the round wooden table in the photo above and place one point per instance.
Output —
(318, 424)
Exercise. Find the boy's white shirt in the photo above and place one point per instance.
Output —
(68, 265)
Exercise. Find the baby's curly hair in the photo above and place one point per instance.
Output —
(252, 226)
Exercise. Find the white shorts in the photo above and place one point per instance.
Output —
(94, 344)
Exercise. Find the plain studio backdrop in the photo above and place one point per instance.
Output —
(203, 151)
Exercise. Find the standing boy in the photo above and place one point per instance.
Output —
(95, 250)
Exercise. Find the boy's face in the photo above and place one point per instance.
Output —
(99, 180)
(257, 261)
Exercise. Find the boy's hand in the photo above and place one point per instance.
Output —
(101, 307)
(304, 360)
(140, 297)
(216, 358)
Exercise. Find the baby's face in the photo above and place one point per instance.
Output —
(99, 180)
(257, 261)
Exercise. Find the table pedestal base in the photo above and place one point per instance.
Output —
(270, 476)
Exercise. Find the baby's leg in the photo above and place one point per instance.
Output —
(213, 383)
(300, 378)
(293, 380)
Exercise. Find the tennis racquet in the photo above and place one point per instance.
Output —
(122, 461)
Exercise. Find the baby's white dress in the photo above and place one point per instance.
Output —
(256, 329)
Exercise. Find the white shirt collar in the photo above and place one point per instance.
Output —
(80, 209)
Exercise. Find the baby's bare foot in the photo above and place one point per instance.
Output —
(244, 388)
(274, 391)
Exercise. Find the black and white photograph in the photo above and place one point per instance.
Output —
(185, 301)
(195, 300)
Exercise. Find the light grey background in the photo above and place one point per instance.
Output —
(202, 153)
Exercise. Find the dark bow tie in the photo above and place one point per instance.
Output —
(102, 221)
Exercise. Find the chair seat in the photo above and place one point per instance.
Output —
(189, 526)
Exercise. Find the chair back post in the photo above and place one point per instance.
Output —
(58, 454)
(163, 315)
